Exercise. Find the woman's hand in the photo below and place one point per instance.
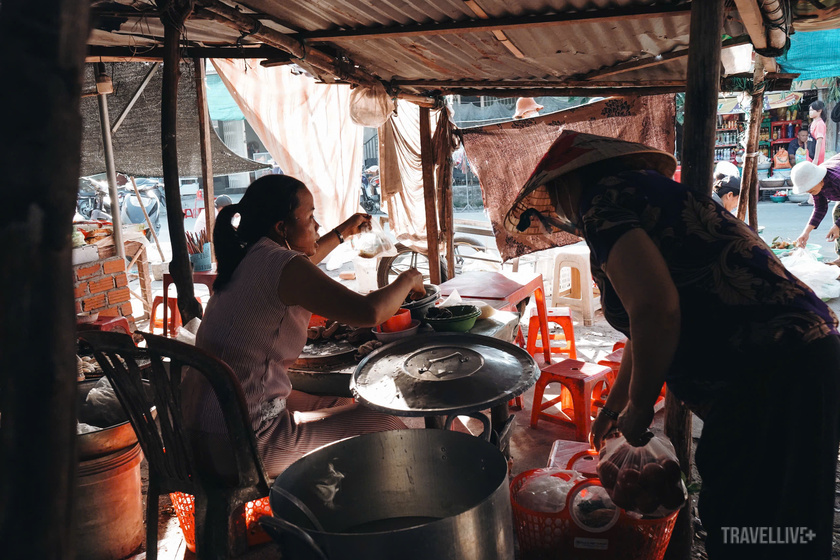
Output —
(601, 427)
(802, 240)
(415, 279)
(357, 223)
(833, 233)
(633, 423)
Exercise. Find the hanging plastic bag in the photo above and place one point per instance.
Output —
(781, 160)
(371, 106)
(820, 277)
(645, 480)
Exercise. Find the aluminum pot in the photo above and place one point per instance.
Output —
(418, 308)
(407, 494)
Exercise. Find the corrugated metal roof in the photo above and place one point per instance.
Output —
(549, 52)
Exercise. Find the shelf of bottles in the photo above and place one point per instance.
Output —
(728, 137)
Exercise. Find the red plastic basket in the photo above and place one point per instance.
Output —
(185, 509)
(549, 536)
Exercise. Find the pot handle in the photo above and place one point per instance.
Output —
(486, 432)
(579, 455)
(277, 527)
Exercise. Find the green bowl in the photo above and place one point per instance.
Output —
(463, 319)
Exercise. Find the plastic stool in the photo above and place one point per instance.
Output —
(108, 324)
(585, 385)
(174, 316)
(580, 297)
(189, 213)
(620, 344)
(561, 316)
(613, 361)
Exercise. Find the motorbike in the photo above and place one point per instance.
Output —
(94, 202)
(370, 198)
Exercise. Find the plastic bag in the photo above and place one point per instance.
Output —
(101, 407)
(781, 159)
(372, 244)
(820, 277)
(546, 492)
(371, 106)
(186, 333)
(645, 480)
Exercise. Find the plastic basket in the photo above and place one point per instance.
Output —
(550, 536)
(185, 509)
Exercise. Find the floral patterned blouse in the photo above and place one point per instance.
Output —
(740, 306)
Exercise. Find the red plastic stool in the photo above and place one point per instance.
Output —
(613, 361)
(109, 324)
(620, 344)
(174, 316)
(584, 387)
(561, 316)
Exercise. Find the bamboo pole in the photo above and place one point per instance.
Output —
(206, 152)
(108, 148)
(748, 199)
(39, 163)
(175, 13)
(697, 160)
(148, 221)
(427, 161)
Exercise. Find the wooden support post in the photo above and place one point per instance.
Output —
(427, 161)
(206, 151)
(697, 161)
(39, 109)
(748, 199)
(174, 13)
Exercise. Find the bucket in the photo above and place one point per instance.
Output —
(109, 506)
(201, 261)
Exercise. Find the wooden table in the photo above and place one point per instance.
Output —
(508, 287)
(206, 278)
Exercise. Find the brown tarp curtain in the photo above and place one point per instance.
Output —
(504, 155)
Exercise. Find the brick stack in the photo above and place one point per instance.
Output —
(103, 286)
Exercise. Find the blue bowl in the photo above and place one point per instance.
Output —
(778, 198)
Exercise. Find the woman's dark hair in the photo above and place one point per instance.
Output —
(727, 185)
(818, 106)
(268, 200)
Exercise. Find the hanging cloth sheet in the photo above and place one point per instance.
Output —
(306, 128)
(504, 155)
(814, 54)
(401, 174)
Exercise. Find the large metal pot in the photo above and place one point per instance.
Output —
(109, 439)
(407, 494)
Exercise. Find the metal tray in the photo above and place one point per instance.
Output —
(324, 353)
(443, 373)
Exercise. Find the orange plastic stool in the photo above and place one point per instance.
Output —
(174, 316)
(561, 316)
(584, 387)
(613, 361)
(620, 344)
(108, 324)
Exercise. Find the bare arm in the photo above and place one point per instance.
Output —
(641, 279)
(617, 400)
(351, 226)
(302, 283)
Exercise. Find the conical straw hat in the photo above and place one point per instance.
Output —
(571, 151)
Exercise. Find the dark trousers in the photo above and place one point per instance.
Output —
(768, 459)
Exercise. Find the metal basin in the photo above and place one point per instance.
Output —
(411, 494)
(105, 440)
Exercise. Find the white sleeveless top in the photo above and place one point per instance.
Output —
(251, 330)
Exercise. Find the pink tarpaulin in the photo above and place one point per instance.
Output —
(504, 155)
(306, 128)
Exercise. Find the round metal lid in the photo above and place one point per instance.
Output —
(443, 373)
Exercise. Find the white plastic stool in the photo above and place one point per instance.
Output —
(580, 297)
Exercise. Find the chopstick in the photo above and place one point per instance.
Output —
(196, 241)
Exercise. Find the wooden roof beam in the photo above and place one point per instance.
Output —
(251, 25)
(650, 61)
(569, 92)
(494, 24)
(536, 84)
(136, 54)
